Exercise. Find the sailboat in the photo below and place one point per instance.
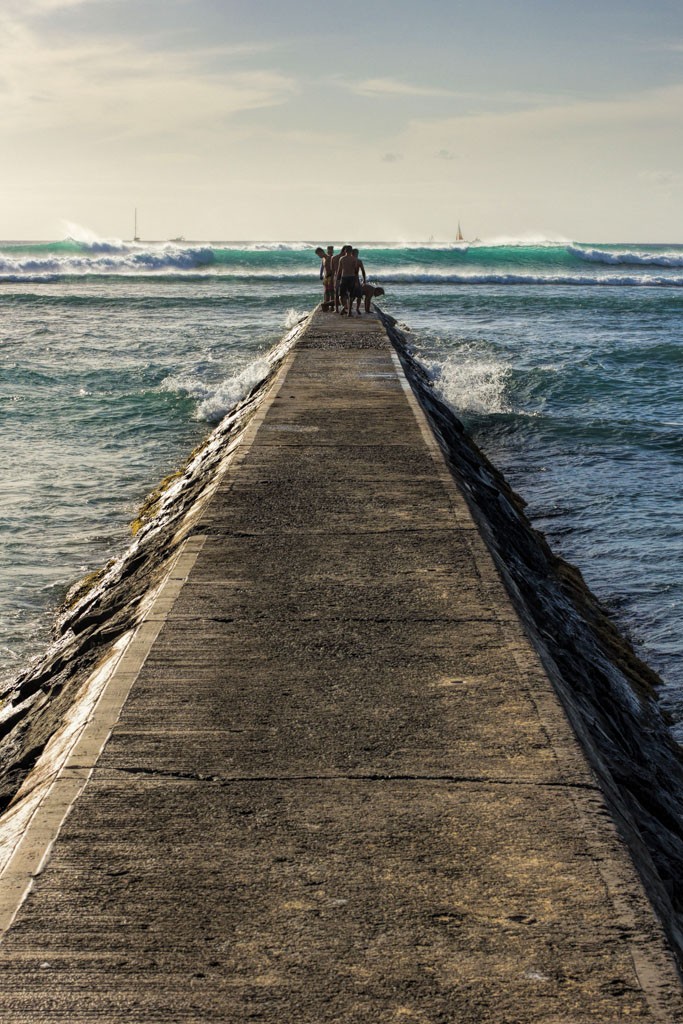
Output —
(461, 238)
(136, 237)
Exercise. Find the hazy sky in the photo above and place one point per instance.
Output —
(385, 120)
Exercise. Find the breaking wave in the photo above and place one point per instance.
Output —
(470, 381)
(619, 257)
(499, 261)
(104, 259)
(215, 399)
(612, 280)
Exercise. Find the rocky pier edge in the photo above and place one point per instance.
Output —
(45, 705)
(608, 692)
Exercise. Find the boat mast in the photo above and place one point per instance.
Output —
(135, 230)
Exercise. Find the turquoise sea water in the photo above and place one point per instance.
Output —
(563, 359)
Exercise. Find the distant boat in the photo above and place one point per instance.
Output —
(136, 237)
(461, 238)
(180, 238)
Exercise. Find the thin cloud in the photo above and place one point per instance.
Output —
(472, 101)
(650, 107)
(392, 158)
(213, 53)
(28, 8)
(665, 46)
(117, 90)
(391, 87)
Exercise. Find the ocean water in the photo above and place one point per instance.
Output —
(563, 359)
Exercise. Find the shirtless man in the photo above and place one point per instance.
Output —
(320, 253)
(347, 273)
(359, 287)
(370, 291)
(335, 285)
(328, 278)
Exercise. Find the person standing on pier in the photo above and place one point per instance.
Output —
(326, 275)
(328, 278)
(335, 285)
(347, 275)
(320, 253)
(360, 269)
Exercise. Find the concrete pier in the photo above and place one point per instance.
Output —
(330, 780)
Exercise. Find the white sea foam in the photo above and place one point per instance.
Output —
(215, 399)
(273, 246)
(610, 257)
(294, 317)
(126, 261)
(533, 240)
(46, 271)
(470, 381)
(613, 280)
(90, 240)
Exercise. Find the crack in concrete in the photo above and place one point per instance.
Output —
(312, 617)
(348, 777)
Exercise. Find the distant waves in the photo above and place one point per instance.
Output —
(508, 263)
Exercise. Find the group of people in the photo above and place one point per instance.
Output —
(341, 275)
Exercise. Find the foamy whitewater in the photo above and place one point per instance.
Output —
(564, 360)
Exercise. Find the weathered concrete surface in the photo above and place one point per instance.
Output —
(341, 787)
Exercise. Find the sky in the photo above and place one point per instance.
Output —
(390, 119)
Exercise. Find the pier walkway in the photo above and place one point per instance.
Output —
(338, 785)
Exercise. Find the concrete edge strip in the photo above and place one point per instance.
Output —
(653, 961)
(33, 849)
